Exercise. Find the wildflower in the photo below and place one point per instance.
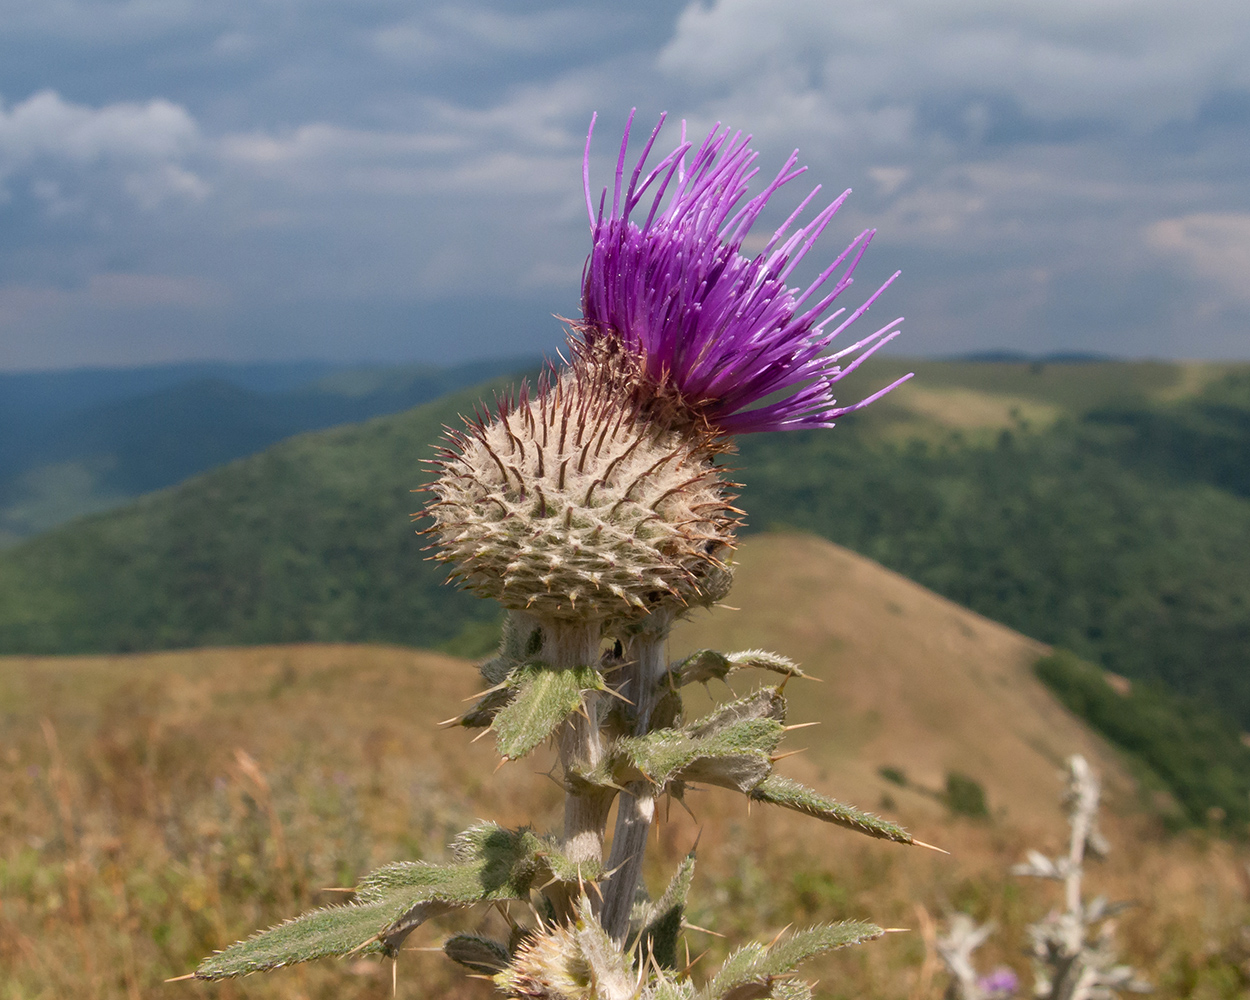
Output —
(724, 330)
(1002, 982)
(598, 497)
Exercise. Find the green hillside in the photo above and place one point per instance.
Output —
(1121, 532)
(310, 540)
(1103, 507)
(81, 442)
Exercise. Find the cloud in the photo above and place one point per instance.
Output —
(1133, 63)
(1048, 174)
(1214, 246)
(143, 146)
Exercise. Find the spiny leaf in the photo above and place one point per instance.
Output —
(707, 664)
(669, 989)
(337, 930)
(749, 972)
(663, 918)
(766, 703)
(478, 953)
(483, 713)
(736, 756)
(544, 699)
(491, 863)
(789, 793)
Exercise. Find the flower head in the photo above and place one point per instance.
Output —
(722, 329)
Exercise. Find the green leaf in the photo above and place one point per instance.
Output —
(789, 793)
(478, 953)
(360, 928)
(483, 713)
(748, 973)
(544, 699)
(521, 639)
(662, 920)
(737, 756)
(490, 863)
(707, 664)
(766, 703)
(669, 989)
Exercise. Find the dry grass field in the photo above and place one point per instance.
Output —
(156, 807)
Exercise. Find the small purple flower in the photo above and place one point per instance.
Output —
(722, 328)
(1002, 982)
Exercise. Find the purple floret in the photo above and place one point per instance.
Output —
(724, 329)
(1002, 982)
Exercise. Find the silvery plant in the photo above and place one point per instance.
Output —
(1073, 949)
(594, 508)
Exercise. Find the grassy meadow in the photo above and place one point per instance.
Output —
(156, 806)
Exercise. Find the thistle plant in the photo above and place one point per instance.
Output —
(1074, 954)
(593, 507)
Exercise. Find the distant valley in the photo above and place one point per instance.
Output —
(82, 441)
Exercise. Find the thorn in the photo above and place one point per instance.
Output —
(691, 964)
(696, 927)
(500, 764)
(778, 937)
(477, 975)
(798, 725)
(449, 722)
(896, 930)
(617, 694)
(329, 888)
(479, 736)
(502, 907)
(490, 690)
(394, 977)
(179, 979)
(782, 756)
(921, 843)
(363, 944)
(415, 948)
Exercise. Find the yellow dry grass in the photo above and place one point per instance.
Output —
(971, 409)
(155, 807)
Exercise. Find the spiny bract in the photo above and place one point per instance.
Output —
(576, 503)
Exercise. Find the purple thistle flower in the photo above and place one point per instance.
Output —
(722, 328)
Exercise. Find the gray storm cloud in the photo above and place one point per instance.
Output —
(179, 180)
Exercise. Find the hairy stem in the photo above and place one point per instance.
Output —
(636, 810)
(566, 645)
(580, 746)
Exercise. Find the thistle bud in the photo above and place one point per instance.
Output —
(582, 502)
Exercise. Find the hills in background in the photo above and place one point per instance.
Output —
(83, 441)
(1100, 506)
(140, 794)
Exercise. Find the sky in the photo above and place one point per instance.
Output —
(370, 180)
